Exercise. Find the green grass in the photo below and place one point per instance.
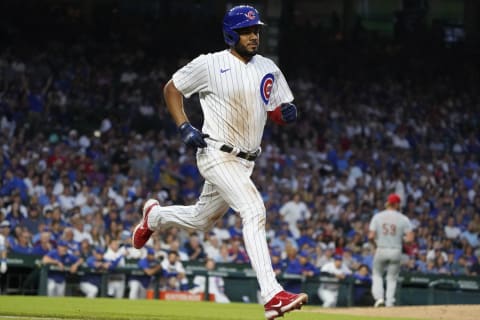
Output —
(101, 308)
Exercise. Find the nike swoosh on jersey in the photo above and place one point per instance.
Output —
(224, 70)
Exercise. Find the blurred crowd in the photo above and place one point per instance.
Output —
(86, 139)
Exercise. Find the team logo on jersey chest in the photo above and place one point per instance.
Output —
(266, 86)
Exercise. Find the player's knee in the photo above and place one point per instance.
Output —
(206, 226)
(253, 214)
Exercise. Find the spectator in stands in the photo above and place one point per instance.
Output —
(216, 284)
(421, 261)
(212, 246)
(62, 261)
(431, 267)
(306, 239)
(277, 264)
(328, 291)
(91, 282)
(175, 246)
(139, 284)
(66, 199)
(44, 245)
(22, 242)
(460, 267)
(475, 269)
(221, 231)
(349, 260)
(14, 186)
(57, 216)
(97, 237)
(282, 240)
(442, 265)
(174, 273)
(471, 235)
(79, 232)
(237, 252)
(85, 249)
(469, 254)
(294, 211)
(236, 228)
(436, 251)
(16, 212)
(224, 256)
(56, 229)
(37, 101)
(68, 237)
(451, 230)
(325, 256)
(33, 220)
(194, 248)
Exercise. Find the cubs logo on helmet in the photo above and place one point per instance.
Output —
(251, 15)
(236, 18)
(266, 86)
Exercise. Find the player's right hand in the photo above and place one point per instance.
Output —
(3, 266)
(191, 136)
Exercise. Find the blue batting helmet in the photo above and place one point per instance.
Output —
(236, 18)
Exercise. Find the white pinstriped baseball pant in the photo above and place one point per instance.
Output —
(227, 184)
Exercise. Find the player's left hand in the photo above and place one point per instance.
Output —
(289, 112)
(191, 136)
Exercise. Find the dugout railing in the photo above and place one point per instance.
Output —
(27, 276)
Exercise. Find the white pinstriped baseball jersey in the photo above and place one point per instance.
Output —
(234, 96)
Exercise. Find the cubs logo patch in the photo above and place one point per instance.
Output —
(250, 15)
(266, 86)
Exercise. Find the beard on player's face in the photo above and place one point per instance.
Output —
(244, 51)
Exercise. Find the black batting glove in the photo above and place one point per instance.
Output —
(191, 136)
(289, 112)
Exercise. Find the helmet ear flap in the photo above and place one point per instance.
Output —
(230, 36)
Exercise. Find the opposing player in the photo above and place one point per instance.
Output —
(238, 90)
(388, 228)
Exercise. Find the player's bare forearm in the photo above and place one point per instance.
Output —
(153, 270)
(74, 267)
(409, 237)
(48, 260)
(174, 101)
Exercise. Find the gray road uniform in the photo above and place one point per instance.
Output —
(390, 227)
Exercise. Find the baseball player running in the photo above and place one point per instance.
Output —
(388, 228)
(238, 90)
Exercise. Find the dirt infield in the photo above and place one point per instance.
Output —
(438, 312)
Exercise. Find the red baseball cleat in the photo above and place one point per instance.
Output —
(284, 302)
(142, 233)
